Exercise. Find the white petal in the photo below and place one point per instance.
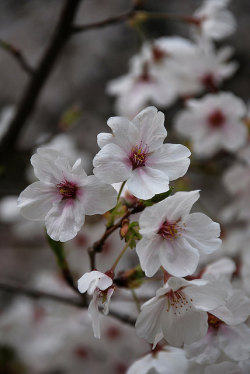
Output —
(172, 159)
(107, 302)
(235, 341)
(178, 257)
(111, 164)
(202, 233)
(142, 366)
(223, 267)
(87, 278)
(98, 197)
(36, 200)
(184, 327)
(204, 351)
(126, 135)
(148, 252)
(104, 138)
(65, 220)
(148, 323)
(146, 182)
(94, 314)
(150, 123)
(207, 297)
(50, 165)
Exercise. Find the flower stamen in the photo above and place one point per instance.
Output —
(169, 230)
(67, 189)
(138, 155)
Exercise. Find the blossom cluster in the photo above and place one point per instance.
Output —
(192, 276)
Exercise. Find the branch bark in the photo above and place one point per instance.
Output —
(61, 35)
(18, 56)
(78, 302)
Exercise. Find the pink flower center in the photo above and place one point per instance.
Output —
(169, 230)
(67, 189)
(208, 82)
(158, 54)
(138, 156)
(216, 119)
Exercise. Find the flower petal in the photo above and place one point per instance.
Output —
(65, 219)
(145, 182)
(36, 200)
(148, 252)
(98, 197)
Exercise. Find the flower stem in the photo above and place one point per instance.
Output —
(120, 255)
(120, 191)
(136, 300)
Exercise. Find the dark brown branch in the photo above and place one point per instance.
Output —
(18, 56)
(109, 21)
(98, 245)
(61, 35)
(78, 302)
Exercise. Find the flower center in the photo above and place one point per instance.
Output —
(67, 189)
(138, 156)
(216, 119)
(158, 54)
(208, 82)
(178, 301)
(169, 230)
(213, 321)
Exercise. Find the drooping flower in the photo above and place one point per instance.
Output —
(178, 312)
(174, 238)
(63, 195)
(213, 20)
(165, 360)
(101, 287)
(213, 123)
(135, 152)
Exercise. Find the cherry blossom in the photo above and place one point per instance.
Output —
(178, 312)
(213, 123)
(237, 181)
(135, 153)
(101, 287)
(214, 20)
(163, 360)
(63, 195)
(174, 238)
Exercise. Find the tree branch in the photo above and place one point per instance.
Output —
(109, 21)
(78, 302)
(61, 35)
(18, 56)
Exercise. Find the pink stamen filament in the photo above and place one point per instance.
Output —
(67, 189)
(138, 156)
(169, 230)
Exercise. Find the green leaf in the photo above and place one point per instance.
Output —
(58, 249)
(157, 198)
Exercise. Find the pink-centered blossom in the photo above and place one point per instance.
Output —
(134, 152)
(214, 20)
(174, 238)
(213, 123)
(63, 195)
(101, 287)
(178, 312)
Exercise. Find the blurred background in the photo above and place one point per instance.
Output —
(73, 104)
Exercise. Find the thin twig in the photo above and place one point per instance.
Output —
(18, 56)
(109, 21)
(78, 302)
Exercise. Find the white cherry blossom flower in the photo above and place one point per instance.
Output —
(149, 81)
(166, 360)
(213, 123)
(174, 238)
(101, 287)
(214, 21)
(237, 181)
(178, 312)
(63, 195)
(135, 152)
